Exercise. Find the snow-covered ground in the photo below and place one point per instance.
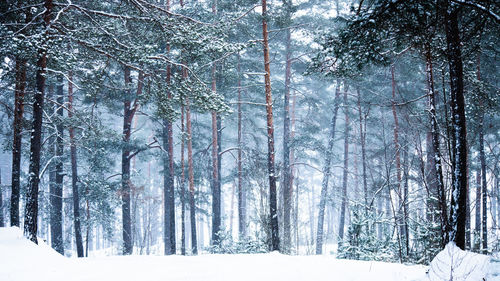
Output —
(22, 260)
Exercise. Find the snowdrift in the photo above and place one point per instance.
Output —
(452, 263)
(22, 260)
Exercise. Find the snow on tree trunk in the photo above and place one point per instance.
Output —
(56, 190)
(216, 193)
(459, 145)
(16, 143)
(437, 185)
(31, 210)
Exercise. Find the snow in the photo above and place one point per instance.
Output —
(22, 260)
(452, 263)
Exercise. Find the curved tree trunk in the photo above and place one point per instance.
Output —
(327, 173)
(129, 110)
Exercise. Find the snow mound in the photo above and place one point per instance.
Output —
(452, 263)
(19, 256)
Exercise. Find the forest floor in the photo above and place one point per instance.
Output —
(22, 260)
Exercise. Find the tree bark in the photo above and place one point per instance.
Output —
(74, 174)
(16, 143)
(362, 137)
(400, 212)
(31, 210)
(327, 173)
(436, 169)
(477, 240)
(216, 193)
(482, 158)
(183, 189)
(56, 192)
(168, 181)
(127, 127)
(192, 206)
(287, 186)
(2, 223)
(292, 177)
(459, 185)
(168, 190)
(242, 229)
(346, 167)
(270, 137)
(129, 110)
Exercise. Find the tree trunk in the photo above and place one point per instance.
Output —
(52, 132)
(497, 188)
(270, 136)
(219, 163)
(484, 186)
(56, 192)
(31, 210)
(287, 186)
(2, 223)
(292, 177)
(242, 229)
(216, 193)
(327, 173)
(129, 110)
(437, 186)
(168, 181)
(231, 210)
(468, 214)
(127, 127)
(346, 167)
(192, 207)
(362, 134)
(168, 190)
(400, 212)
(459, 185)
(406, 174)
(74, 174)
(477, 239)
(183, 189)
(16, 143)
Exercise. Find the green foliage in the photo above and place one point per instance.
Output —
(427, 239)
(229, 246)
(362, 242)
